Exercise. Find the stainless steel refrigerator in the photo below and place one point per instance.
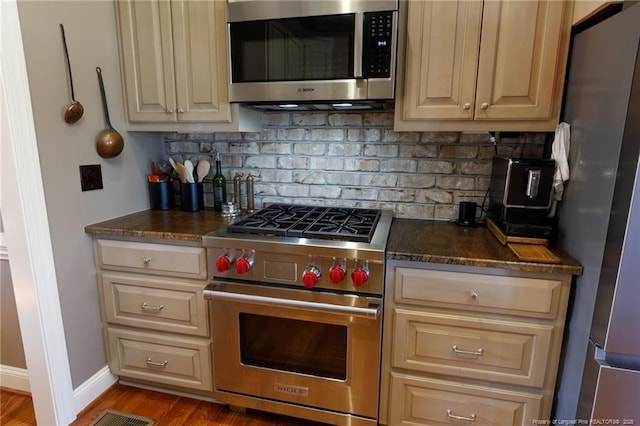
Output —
(599, 224)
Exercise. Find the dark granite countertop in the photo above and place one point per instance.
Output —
(172, 224)
(410, 239)
(445, 242)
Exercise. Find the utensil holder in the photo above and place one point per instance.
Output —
(191, 197)
(160, 195)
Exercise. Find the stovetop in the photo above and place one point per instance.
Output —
(300, 221)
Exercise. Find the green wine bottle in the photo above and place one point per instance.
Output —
(219, 187)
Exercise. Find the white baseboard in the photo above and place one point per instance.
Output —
(14, 378)
(87, 392)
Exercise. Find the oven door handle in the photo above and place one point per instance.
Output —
(216, 292)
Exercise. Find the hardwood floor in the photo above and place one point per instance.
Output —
(16, 409)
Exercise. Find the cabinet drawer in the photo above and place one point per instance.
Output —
(155, 303)
(426, 401)
(179, 261)
(471, 347)
(489, 293)
(170, 360)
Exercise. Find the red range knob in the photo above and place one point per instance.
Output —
(359, 277)
(336, 274)
(310, 279)
(243, 265)
(223, 263)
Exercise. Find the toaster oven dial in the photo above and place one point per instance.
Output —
(338, 270)
(360, 273)
(311, 276)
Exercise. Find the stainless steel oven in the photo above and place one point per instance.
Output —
(297, 311)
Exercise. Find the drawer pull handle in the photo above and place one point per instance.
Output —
(474, 296)
(146, 307)
(146, 260)
(156, 364)
(477, 352)
(471, 418)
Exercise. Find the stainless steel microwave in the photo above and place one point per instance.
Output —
(329, 51)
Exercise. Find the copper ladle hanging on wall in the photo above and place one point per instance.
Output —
(75, 110)
(109, 142)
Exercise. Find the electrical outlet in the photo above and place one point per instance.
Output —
(90, 177)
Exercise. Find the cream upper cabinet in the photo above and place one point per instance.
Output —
(477, 66)
(174, 65)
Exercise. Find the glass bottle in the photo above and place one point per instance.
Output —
(219, 187)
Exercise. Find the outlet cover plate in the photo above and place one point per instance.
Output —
(90, 177)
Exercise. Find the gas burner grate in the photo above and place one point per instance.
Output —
(334, 223)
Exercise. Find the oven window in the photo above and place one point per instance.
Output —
(292, 345)
(310, 48)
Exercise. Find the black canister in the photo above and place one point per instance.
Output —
(190, 197)
(467, 213)
(160, 195)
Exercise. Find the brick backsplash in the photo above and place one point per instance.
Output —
(355, 159)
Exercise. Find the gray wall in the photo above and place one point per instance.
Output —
(91, 36)
(356, 159)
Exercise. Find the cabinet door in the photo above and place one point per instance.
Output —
(199, 42)
(146, 52)
(520, 53)
(443, 38)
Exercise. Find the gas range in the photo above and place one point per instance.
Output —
(332, 248)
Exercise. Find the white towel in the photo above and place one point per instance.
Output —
(560, 152)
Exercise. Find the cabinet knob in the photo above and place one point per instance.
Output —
(146, 260)
(169, 111)
(484, 105)
(474, 296)
(180, 110)
(466, 105)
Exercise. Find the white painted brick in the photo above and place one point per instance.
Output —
(345, 119)
(435, 166)
(455, 182)
(286, 162)
(277, 175)
(475, 168)
(244, 147)
(293, 190)
(440, 137)
(276, 148)
(458, 151)
(253, 136)
(354, 135)
(397, 195)
(403, 165)
(379, 179)
(309, 149)
(327, 134)
(293, 134)
(416, 181)
(381, 150)
(228, 136)
(263, 189)
(434, 195)
(310, 119)
(382, 119)
(361, 165)
(415, 210)
(391, 136)
(480, 138)
(308, 177)
(350, 193)
(342, 179)
(344, 149)
(324, 191)
(418, 151)
(443, 211)
(260, 162)
(372, 135)
(326, 163)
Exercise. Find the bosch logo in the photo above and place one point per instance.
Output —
(305, 89)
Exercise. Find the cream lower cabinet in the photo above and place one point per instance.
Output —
(156, 322)
(470, 345)
(467, 65)
(173, 57)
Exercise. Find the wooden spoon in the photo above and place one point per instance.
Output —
(202, 169)
(188, 165)
(182, 172)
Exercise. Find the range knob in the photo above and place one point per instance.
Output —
(224, 261)
(311, 276)
(360, 273)
(338, 270)
(245, 262)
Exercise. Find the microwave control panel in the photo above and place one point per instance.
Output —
(378, 37)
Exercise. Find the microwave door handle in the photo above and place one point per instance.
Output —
(358, 40)
(533, 183)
